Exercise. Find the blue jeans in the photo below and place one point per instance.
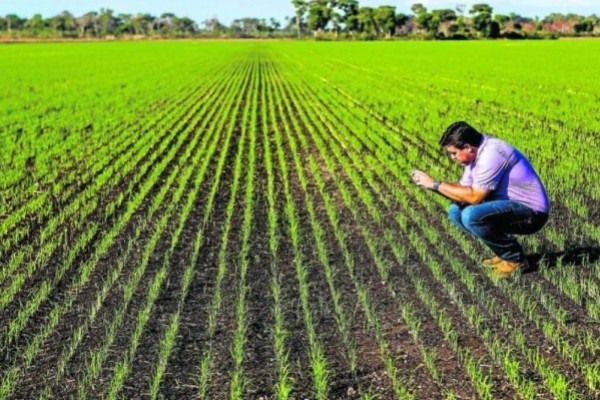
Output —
(496, 222)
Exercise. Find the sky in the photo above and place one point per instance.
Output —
(228, 10)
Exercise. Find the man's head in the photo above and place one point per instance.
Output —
(461, 141)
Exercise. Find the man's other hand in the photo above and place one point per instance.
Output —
(422, 179)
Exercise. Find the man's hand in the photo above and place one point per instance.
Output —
(422, 179)
(452, 191)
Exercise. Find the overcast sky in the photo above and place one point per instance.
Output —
(227, 10)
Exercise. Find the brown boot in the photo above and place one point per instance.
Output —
(491, 262)
(506, 268)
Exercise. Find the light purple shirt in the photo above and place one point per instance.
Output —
(507, 173)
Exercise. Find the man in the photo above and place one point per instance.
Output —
(499, 195)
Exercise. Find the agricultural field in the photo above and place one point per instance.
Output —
(213, 220)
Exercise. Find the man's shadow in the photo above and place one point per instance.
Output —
(573, 256)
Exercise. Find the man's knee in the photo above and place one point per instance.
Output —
(455, 214)
(471, 218)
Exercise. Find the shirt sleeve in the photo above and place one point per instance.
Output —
(467, 177)
(490, 169)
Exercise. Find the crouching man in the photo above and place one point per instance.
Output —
(499, 195)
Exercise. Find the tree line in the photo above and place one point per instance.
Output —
(97, 25)
(349, 18)
(321, 19)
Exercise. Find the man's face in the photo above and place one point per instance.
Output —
(463, 156)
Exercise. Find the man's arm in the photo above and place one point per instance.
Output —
(453, 191)
(462, 194)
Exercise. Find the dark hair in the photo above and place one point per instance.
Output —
(459, 134)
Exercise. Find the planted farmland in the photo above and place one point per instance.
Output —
(237, 220)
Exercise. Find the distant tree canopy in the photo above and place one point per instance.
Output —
(98, 24)
(318, 18)
(349, 17)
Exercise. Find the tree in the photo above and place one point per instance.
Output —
(107, 22)
(319, 14)
(418, 8)
(213, 25)
(539, 25)
(401, 20)
(336, 22)
(289, 26)
(558, 22)
(494, 30)
(125, 24)
(87, 22)
(453, 28)
(143, 24)
(274, 24)
(366, 20)
(350, 16)
(35, 24)
(501, 19)
(584, 26)
(595, 20)
(385, 20)
(426, 22)
(442, 16)
(460, 26)
(482, 19)
(250, 26)
(186, 25)
(481, 8)
(12, 21)
(166, 24)
(301, 7)
(64, 23)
